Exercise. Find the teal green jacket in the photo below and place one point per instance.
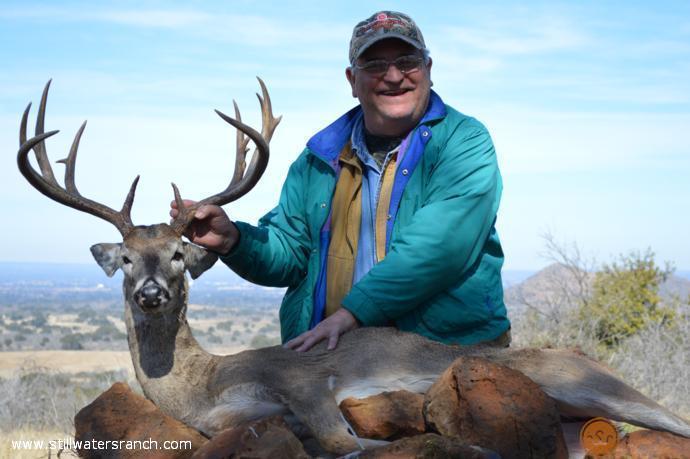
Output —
(441, 276)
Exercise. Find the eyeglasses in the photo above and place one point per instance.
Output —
(379, 67)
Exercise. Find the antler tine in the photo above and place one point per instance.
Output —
(241, 182)
(45, 181)
(255, 170)
(269, 123)
(185, 214)
(40, 148)
(242, 149)
(70, 162)
(127, 205)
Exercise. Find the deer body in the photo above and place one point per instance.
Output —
(213, 392)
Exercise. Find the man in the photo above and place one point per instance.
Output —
(387, 217)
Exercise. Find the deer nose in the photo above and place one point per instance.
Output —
(151, 292)
(150, 295)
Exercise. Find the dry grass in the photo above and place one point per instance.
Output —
(38, 399)
(66, 361)
(656, 361)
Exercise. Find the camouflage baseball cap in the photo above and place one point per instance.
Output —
(381, 25)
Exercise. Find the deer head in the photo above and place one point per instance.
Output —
(153, 258)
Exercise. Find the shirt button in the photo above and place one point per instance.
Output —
(404, 171)
(323, 205)
(425, 134)
(389, 217)
(313, 250)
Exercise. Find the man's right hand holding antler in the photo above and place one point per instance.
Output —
(211, 227)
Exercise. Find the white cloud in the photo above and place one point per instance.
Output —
(552, 142)
(515, 36)
(235, 28)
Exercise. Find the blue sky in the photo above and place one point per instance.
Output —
(588, 104)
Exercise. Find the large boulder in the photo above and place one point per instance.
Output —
(122, 424)
(267, 438)
(495, 407)
(428, 446)
(650, 443)
(386, 416)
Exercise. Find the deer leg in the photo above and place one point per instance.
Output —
(317, 409)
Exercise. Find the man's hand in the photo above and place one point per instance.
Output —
(211, 228)
(330, 328)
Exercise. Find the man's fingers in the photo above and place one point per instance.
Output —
(310, 338)
(310, 342)
(305, 346)
(201, 213)
(294, 342)
(333, 340)
(186, 202)
(307, 340)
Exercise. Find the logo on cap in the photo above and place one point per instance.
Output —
(382, 25)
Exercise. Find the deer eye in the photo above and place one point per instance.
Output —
(126, 260)
(178, 256)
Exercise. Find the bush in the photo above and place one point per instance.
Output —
(625, 298)
(40, 320)
(72, 342)
(225, 325)
(261, 340)
(107, 332)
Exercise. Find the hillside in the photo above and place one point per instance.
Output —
(551, 286)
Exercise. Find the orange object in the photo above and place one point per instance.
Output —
(598, 436)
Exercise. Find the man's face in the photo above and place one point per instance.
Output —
(394, 102)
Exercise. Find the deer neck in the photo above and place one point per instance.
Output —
(168, 360)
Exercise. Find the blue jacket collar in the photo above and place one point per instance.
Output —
(328, 143)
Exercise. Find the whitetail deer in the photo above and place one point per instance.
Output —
(212, 392)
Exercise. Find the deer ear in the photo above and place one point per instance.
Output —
(107, 256)
(197, 259)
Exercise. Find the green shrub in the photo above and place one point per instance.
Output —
(625, 297)
(261, 340)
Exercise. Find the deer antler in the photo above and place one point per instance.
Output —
(241, 183)
(45, 181)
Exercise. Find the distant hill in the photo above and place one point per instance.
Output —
(549, 285)
(57, 284)
(84, 274)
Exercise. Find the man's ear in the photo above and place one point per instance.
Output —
(350, 75)
(107, 256)
(197, 259)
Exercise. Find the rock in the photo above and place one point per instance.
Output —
(386, 416)
(267, 438)
(428, 446)
(141, 429)
(650, 443)
(495, 407)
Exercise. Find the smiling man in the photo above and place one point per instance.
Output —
(387, 217)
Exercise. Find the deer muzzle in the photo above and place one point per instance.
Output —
(151, 296)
